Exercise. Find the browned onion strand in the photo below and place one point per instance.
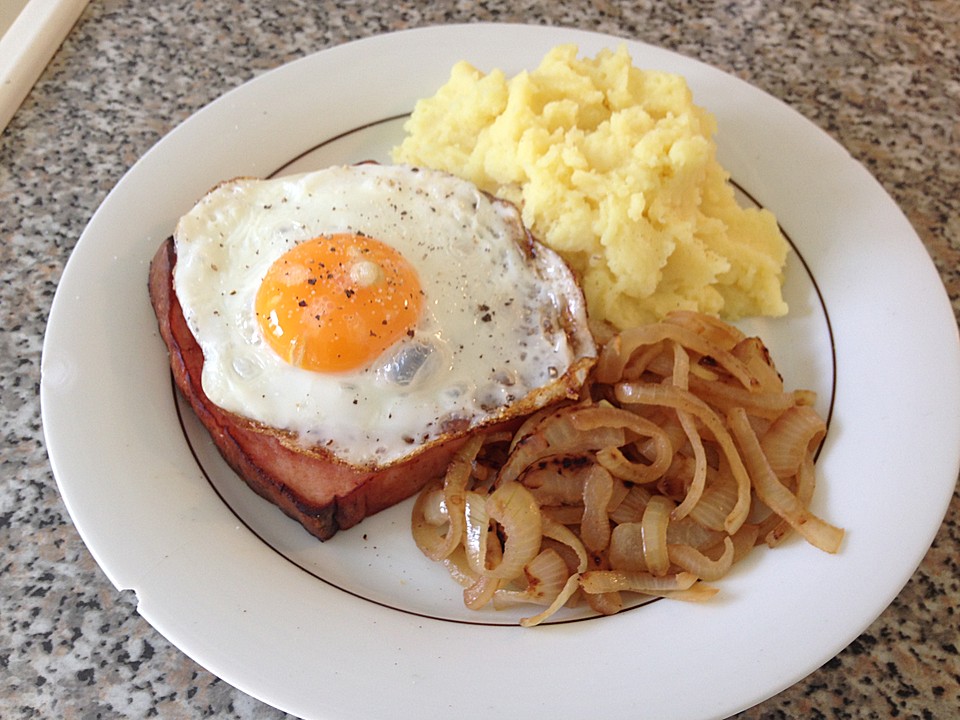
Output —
(601, 581)
(683, 453)
(681, 378)
(744, 540)
(698, 563)
(710, 328)
(595, 522)
(725, 397)
(653, 531)
(428, 522)
(699, 482)
(516, 511)
(476, 531)
(632, 506)
(626, 547)
(717, 500)
(546, 574)
(688, 531)
(791, 438)
(632, 339)
(684, 401)
(775, 494)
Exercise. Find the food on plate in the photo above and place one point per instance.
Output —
(341, 333)
(357, 335)
(615, 168)
(684, 450)
(684, 453)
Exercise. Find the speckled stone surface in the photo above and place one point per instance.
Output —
(882, 77)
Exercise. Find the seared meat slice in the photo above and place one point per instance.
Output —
(322, 493)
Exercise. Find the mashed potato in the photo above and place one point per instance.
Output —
(615, 168)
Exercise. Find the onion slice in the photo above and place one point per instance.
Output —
(563, 534)
(428, 532)
(791, 438)
(595, 526)
(571, 586)
(480, 592)
(546, 576)
(771, 491)
(679, 399)
(610, 368)
(653, 530)
(476, 530)
(604, 581)
(517, 512)
(682, 453)
(556, 435)
(626, 547)
(694, 561)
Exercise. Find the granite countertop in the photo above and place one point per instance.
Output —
(881, 77)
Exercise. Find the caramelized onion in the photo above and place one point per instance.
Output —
(456, 565)
(563, 514)
(699, 482)
(817, 532)
(653, 528)
(515, 509)
(616, 463)
(454, 493)
(476, 531)
(632, 506)
(633, 338)
(701, 592)
(595, 525)
(696, 562)
(563, 534)
(744, 540)
(683, 453)
(725, 396)
(626, 547)
(569, 588)
(545, 575)
(428, 522)
(717, 500)
(480, 592)
(710, 328)
(604, 581)
(556, 483)
(755, 356)
(792, 436)
(689, 532)
(683, 400)
(557, 434)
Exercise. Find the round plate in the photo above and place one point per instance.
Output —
(363, 625)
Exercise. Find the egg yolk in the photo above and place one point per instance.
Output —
(335, 303)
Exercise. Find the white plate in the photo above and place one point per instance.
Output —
(363, 626)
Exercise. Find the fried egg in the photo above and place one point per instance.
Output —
(371, 311)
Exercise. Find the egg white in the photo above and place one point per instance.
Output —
(503, 319)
